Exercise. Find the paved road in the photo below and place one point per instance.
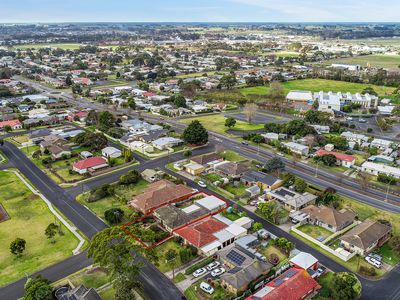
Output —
(156, 284)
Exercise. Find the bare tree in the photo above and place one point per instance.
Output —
(276, 94)
(250, 109)
(364, 179)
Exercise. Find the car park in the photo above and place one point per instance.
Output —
(217, 272)
(202, 184)
(199, 272)
(206, 287)
(213, 265)
(373, 262)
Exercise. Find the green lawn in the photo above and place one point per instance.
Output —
(271, 249)
(93, 279)
(217, 123)
(389, 255)
(233, 156)
(162, 249)
(122, 195)
(29, 218)
(314, 231)
(107, 294)
(239, 190)
(179, 277)
(325, 282)
(316, 85)
(375, 60)
(194, 293)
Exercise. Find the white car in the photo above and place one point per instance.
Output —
(217, 272)
(206, 287)
(374, 262)
(202, 184)
(199, 272)
(213, 265)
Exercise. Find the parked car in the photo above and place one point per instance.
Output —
(349, 118)
(245, 143)
(199, 272)
(375, 256)
(362, 121)
(213, 265)
(321, 270)
(217, 272)
(202, 184)
(253, 202)
(374, 262)
(206, 287)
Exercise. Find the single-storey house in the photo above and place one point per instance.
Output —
(365, 237)
(328, 217)
(261, 179)
(376, 169)
(14, 124)
(342, 159)
(232, 169)
(166, 142)
(111, 152)
(194, 168)
(297, 148)
(90, 164)
(305, 261)
(291, 200)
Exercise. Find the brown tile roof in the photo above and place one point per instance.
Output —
(231, 168)
(329, 215)
(206, 158)
(365, 234)
(159, 193)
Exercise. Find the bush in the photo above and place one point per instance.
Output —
(96, 195)
(114, 215)
(369, 271)
(131, 177)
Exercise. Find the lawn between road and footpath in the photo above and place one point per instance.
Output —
(28, 218)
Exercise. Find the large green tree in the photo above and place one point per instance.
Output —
(17, 246)
(106, 120)
(230, 122)
(117, 255)
(195, 134)
(37, 288)
(345, 286)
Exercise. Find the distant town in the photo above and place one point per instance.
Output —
(199, 161)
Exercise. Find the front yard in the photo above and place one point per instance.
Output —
(316, 232)
(29, 217)
(195, 293)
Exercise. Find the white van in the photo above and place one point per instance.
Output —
(206, 287)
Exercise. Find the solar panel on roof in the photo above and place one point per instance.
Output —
(236, 257)
(290, 273)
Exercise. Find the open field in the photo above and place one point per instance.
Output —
(379, 61)
(217, 123)
(316, 85)
(66, 46)
(29, 217)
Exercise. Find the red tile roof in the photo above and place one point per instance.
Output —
(339, 156)
(89, 162)
(294, 284)
(148, 94)
(11, 123)
(201, 233)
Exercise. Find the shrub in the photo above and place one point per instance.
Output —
(114, 215)
(369, 271)
(131, 177)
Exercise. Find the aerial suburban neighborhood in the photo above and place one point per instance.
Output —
(157, 158)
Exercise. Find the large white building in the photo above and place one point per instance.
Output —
(327, 102)
(376, 169)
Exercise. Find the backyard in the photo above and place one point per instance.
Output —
(122, 194)
(316, 232)
(29, 217)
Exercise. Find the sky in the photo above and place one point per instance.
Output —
(27, 11)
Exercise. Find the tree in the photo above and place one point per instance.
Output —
(195, 134)
(131, 103)
(179, 100)
(269, 210)
(187, 153)
(300, 185)
(17, 246)
(133, 176)
(230, 122)
(274, 164)
(394, 243)
(250, 110)
(228, 81)
(106, 120)
(284, 244)
(51, 231)
(369, 90)
(327, 159)
(256, 226)
(345, 286)
(92, 118)
(276, 93)
(68, 80)
(170, 257)
(364, 179)
(37, 288)
(7, 128)
(114, 215)
(288, 179)
(116, 255)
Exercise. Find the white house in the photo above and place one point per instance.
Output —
(353, 137)
(376, 169)
(381, 144)
(297, 148)
(327, 102)
(141, 147)
(166, 142)
(111, 152)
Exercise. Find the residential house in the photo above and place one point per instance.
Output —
(36, 136)
(231, 169)
(194, 168)
(77, 116)
(151, 175)
(305, 261)
(58, 151)
(210, 234)
(342, 159)
(376, 169)
(297, 148)
(328, 217)
(294, 284)
(166, 143)
(207, 160)
(292, 200)
(261, 180)
(141, 147)
(111, 152)
(78, 293)
(90, 165)
(354, 137)
(245, 268)
(365, 237)
(14, 124)
(160, 193)
(381, 144)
